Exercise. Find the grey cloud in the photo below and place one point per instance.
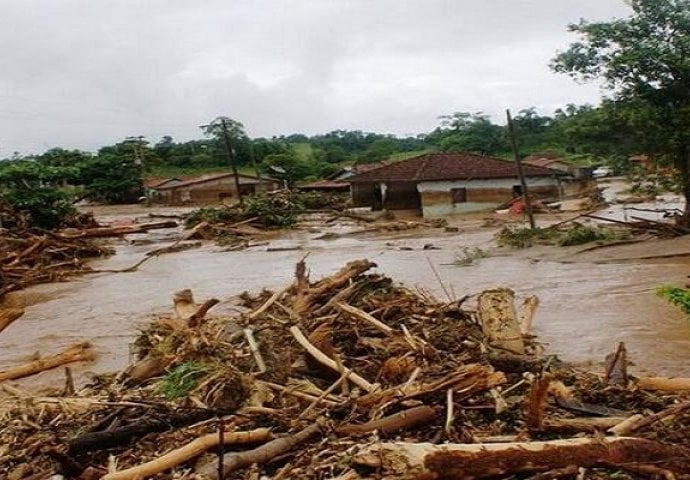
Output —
(83, 73)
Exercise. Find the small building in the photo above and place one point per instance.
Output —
(440, 184)
(211, 188)
(555, 162)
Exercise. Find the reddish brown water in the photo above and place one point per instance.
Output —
(585, 307)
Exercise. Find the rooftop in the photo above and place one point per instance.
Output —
(448, 166)
(209, 178)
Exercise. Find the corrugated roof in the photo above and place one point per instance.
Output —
(447, 166)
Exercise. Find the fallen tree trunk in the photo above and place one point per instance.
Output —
(307, 295)
(638, 422)
(102, 440)
(664, 384)
(476, 461)
(76, 353)
(8, 316)
(187, 452)
(71, 233)
(392, 423)
(466, 380)
(496, 312)
(236, 460)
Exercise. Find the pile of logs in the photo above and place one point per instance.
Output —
(350, 377)
(31, 256)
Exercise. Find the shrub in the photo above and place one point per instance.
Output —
(680, 297)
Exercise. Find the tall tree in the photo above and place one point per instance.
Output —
(229, 133)
(644, 60)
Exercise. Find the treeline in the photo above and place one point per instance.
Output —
(47, 185)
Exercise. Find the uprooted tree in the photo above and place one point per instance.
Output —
(645, 61)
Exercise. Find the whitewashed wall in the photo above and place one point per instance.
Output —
(444, 209)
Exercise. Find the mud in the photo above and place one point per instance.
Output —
(586, 307)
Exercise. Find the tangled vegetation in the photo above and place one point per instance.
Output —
(678, 296)
(576, 234)
(278, 210)
(469, 256)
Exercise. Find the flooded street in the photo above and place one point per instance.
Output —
(585, 307)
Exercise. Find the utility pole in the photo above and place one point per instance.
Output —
(521, 172)
(230, 151)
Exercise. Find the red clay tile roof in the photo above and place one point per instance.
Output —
(447, 166)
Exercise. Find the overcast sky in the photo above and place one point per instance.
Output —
(84, 73)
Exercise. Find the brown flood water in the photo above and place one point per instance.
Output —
(585, 307)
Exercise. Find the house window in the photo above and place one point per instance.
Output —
(459, 195)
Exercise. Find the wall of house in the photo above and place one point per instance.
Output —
(481, 195)
(577, 187)
(401, 196)
(366, 195)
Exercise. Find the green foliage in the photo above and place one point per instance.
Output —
(273, 210)
(113, 176)
(676, 295)
(36, 189)
(643, 59)
(48, 207)
(295, 168)
(469, 132)
(183, 379)
(469, 256)
(576, 234)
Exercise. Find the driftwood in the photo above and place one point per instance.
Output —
(9, 315)
(512, 363)
(365, 317)
(476, 461)
(617, 367)
(236, 460)
(664, 384)
(100, 232)
(102, 440)
(468, 379)
(392, 423)
(76, 353)
(496, 311)
(581, 424)
(327, 361)
(197, 317)
(308, 294)
(187, 452)
(529, 308)
(536, 402)
(639, 422)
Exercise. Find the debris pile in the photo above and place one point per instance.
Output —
(350, 377)
(563, 235)
(29, 256)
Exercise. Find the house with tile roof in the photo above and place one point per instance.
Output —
(440, 184)
(216, 188)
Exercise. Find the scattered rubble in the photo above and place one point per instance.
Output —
(29, 256)
(349, 377)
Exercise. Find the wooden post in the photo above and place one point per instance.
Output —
(521, 172)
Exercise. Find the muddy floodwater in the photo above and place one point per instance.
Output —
(586, 307)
